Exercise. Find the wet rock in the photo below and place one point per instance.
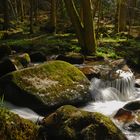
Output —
(129, 115)
(94, 58)
(133, 106)
(116, 70)
(70, 123)
(124, 115)
(117, 64)
(12, 127)
(133, 126)
(73, 59)
(137, 83)
(90, 72)
(46, 86)
(37, 57)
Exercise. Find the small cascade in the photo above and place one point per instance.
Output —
(121, 88)
(112, 92)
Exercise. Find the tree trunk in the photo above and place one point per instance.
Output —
(122, 15)
(95, 4)
(5, 15)
(31, 16)
(89, 32)
(84, 29)
(53, 15)
(21, 10)
(36, 10)
(76, 21)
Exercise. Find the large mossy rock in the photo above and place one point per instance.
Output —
(12, 127)
(46, 86)
(70, 123)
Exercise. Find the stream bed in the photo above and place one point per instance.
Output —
(108, 98)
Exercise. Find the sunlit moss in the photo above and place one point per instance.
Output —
(54, 83)
(15, 128)
(71, 123)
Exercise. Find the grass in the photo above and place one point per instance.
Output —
(63, 43)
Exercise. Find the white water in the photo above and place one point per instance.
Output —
(23, 112)
(110, 96)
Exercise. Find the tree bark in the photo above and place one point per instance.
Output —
(21, 10)
(31, 16)
(89, 32)
(122, 15)
(53, 15)
(76, 21)
(5, 15)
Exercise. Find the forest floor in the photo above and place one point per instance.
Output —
(110, 44)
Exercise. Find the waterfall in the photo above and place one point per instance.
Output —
(121, 88)
(111, 94)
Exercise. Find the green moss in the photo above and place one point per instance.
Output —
(24, 59)
(15, 128)
(53, 83)
(18, 42)
(71, 123)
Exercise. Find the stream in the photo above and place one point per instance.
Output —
(108, 98)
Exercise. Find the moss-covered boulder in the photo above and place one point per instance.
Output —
(70, 123)
(46, 86)
(12, 127)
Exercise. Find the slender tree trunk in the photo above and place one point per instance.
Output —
(31, 16)
(84, 29)
(81, 12)
(76, 21)
(16, 7)
(116, 15)
(36, 10)
(12, 9)
(89, 32)
(99, 16)
(122, 15)
(21, 10)
(5, 15)
(53, 15)
(95, 4)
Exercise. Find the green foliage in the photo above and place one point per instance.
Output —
(19, 42)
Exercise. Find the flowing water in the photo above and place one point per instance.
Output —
(23, 112)
(109, 96)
